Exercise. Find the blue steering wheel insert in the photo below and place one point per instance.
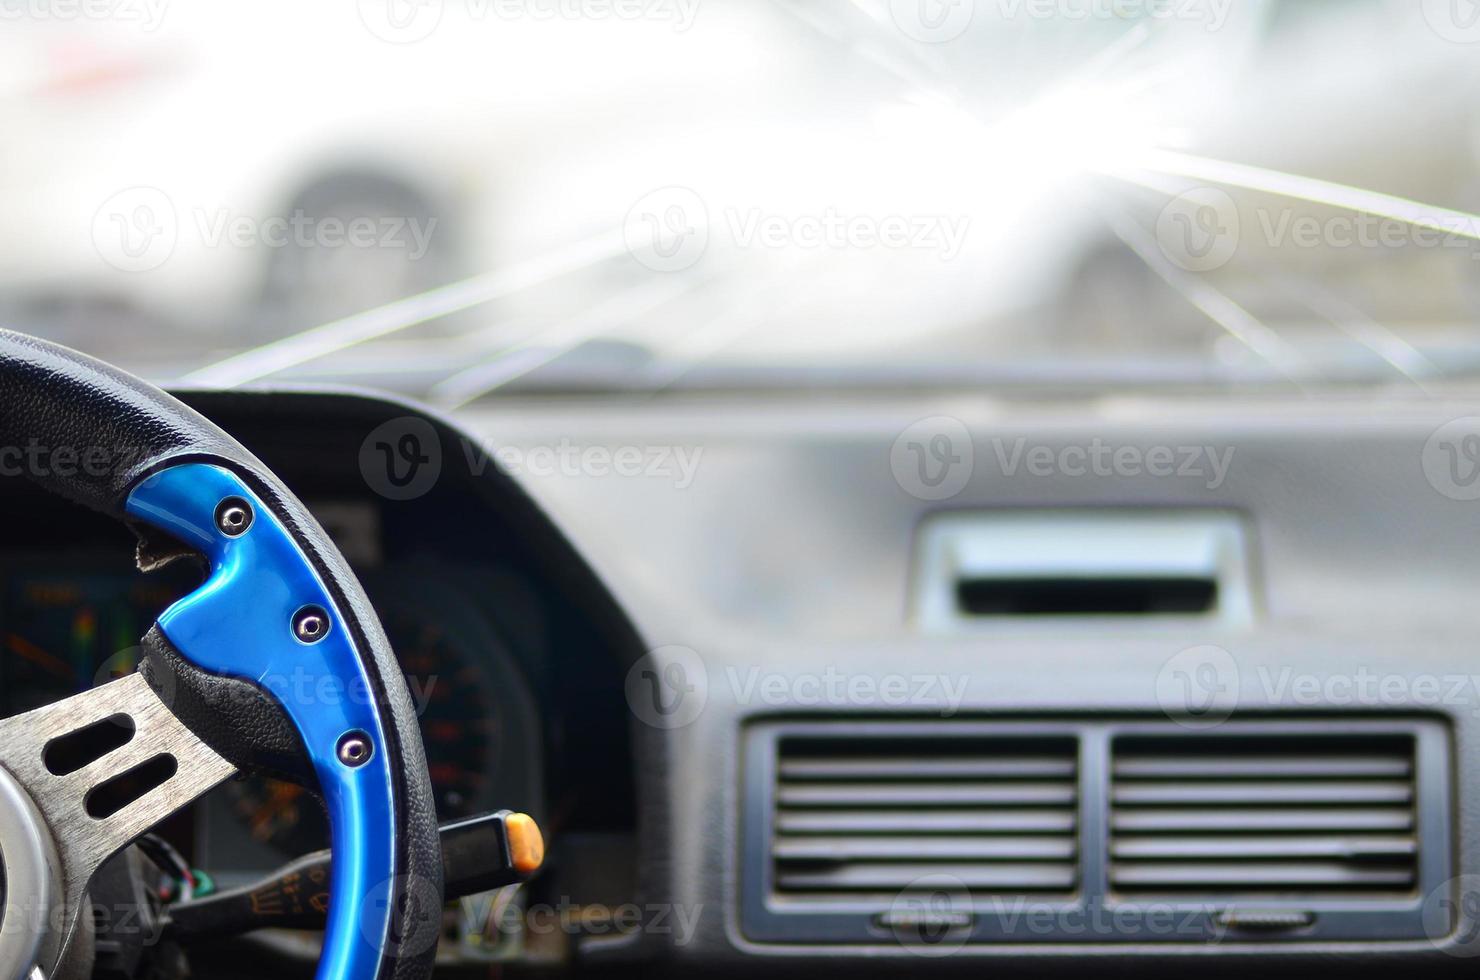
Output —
(239, 623)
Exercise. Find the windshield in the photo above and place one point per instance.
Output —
(459, 198)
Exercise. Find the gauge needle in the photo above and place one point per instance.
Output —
(24, 648)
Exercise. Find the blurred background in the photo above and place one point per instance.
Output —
(453, 198)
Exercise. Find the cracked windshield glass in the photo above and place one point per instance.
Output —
(459, 198)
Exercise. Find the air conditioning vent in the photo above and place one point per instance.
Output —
(858, 817)
(1255, 817)
(1094, 830)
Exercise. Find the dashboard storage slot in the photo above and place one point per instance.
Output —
(1102, 568)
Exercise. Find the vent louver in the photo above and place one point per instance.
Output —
(1121, 830)
(1229, 816)
(860, 817)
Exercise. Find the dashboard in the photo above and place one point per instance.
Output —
(888, 684)
(778, 702)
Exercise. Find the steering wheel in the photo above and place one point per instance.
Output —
(276, 664)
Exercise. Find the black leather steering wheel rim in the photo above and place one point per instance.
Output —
(119, 430)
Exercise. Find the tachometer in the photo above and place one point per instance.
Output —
(458, 721)
(459, 725)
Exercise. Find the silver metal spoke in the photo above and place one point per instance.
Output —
(65, 801)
